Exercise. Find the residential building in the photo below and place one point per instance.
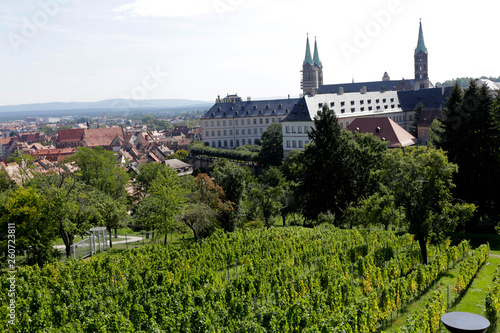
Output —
(386, 129)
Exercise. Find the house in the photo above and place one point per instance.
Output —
(109, 138)
(386, 129)
(180, 167)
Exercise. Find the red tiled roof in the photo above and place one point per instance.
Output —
(70, 135)
(386, 129)
(102, 136)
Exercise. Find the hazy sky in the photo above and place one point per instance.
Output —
(90, 50)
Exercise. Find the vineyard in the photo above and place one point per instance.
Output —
(277, 280)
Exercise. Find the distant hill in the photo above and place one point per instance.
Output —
(114, 105)
(464, 81)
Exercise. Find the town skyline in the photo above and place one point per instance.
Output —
(84, 51)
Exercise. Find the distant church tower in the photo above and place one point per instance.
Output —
(312, 71)
(421, 63)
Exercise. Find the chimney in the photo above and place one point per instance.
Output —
(341, 90)
(363, 90)
(249, 99)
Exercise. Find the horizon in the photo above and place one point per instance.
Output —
(59, 51)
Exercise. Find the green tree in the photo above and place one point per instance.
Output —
(266, 193)
(98, 168)
(470, 133)
(416, 118)
(336, 168)
(421, 181)
(147, 174)
(26, 163)
(109, 212)
(35, 231)
(233, 179)
(165, 200)
(271, 153)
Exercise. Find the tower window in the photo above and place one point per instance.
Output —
(342, 110)
(353, 109)
(377, 101)
(352, 102)
(342, 103)
(332, 104)
(369, 101)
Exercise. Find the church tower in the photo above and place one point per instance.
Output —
(421, 63)
(312, 71)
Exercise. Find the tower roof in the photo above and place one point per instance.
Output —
(308, 59)
(421, 44)
(316, 60)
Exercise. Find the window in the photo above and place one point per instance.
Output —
(243, 142)
(378, 107)
(206, 123)
(254, 121)
(213, 144)
(254, 131)
(223, 123)
(386, 107)
(267, 120)
(353, 109)
(369, 101)
(237, 142)
(299, 129)
(218, 133)
(307, 142)
(301, 144)
(220, 143)
(230, 123)
(248, 121)
(230, 132)
(212, 123)
(361, 109)
(342, 110)
(294, 144)
(384, 100)
(274, 120)
(377, 101)
(237, 132)
(261, 121)
(392, 100)
(230, 143)
(218, 122)
(361, 102)
(332, 104)
(236, 122)
(370, 108)
(288, 143)
(352, 102)
(206, 134)
(306, 129)
(225, 143)
(392, 106)
(294, 130)
(341, 125)
(320, 105)
(342, 103)
(287, 129)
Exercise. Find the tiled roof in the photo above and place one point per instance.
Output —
(384, 128)
(70, 135)
(240, 109)
(370, 86)
(102, 136)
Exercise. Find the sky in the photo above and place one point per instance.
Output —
(91, 50)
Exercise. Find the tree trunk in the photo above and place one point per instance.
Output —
(67, 239)
(165, 241)
(423, 248)
(110, 238)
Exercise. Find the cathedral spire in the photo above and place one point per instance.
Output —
(308, 58)
(421, 44)
(316, 60)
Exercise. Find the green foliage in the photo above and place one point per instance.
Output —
(493, 300)
(271, 153)
(240, 154)
(34, 228)
(470, 133)
(154, 123)
(336, 167)
(416, 118)
(421, 180)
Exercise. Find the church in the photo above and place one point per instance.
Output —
(232, 121)
(312, 74)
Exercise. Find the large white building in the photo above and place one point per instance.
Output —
(231, 122)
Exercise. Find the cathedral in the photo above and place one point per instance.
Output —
(312, 74)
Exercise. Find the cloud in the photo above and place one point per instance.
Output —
(169, 8)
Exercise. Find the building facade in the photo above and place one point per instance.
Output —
(231, 122)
